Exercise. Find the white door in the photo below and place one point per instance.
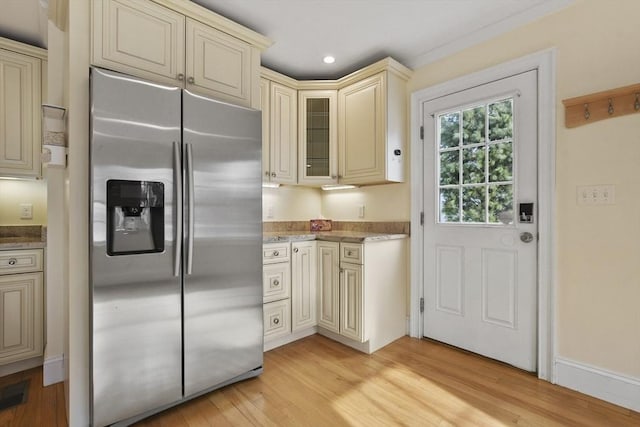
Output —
(480, 231)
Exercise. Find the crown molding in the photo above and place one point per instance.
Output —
(25, 49)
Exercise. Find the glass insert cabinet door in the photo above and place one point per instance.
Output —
(318, 123)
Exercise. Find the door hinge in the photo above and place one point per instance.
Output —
(421, 305)
(421, 218)
(422, 133)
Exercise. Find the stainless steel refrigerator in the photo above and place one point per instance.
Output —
(176, 238)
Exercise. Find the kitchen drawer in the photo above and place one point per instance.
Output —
(20, 261)
(276, 281)
(276, 252)
(277, 317)
(351, 253)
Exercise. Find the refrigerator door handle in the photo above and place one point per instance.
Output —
(191, 209)
(177, 170)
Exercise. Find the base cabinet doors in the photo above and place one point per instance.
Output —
(304, 290)
(328, 286)
(351, 302)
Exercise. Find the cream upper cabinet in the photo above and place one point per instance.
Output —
(218, 64)
(175, 45)
(304, 289)
(318, 137)
(279, 132)
(371, 130)
(139, 37)
(20, 100)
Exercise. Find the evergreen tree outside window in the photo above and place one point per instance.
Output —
(475, 167)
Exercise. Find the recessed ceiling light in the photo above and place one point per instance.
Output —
(329, 59)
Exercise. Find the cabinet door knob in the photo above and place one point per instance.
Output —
(276, 321)
(276, 282)
(295, 250)
(266, 173)
(349, 253)
(13, 261)
(276, 253)
(191, 80)
(273, 174)
(180, 77)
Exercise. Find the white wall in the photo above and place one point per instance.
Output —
(598, 283)
(389, 202)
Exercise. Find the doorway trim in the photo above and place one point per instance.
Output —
(545, 63)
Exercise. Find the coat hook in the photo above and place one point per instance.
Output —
(636, 106)
(587, 114)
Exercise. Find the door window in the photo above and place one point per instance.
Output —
(475, 167)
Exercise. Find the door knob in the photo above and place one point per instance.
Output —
(526, 237)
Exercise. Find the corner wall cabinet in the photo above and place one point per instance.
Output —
(21, 77)
(279, 132)
(178, 44)
(350, 131)
(318, 137)
(21, 305)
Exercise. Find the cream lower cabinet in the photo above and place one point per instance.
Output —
(276, 286)
(146, 39)
(328, 286)
(20, 99)
(21, 305)
(365, 306)
(304, 289)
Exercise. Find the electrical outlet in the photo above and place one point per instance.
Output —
(270, 211)
(26, 211)
(590, 195)
(361, 211)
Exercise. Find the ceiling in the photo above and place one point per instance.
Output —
(355, 32)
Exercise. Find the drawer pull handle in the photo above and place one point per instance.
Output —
(276, 321)
(295, 250)
(276, 253)
(349, 253)
(276, 283)
(13, 261)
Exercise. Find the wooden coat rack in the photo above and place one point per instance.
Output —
(602, 105)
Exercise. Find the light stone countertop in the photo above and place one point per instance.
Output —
(331, 236)
(10, 243)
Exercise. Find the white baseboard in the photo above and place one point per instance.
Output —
(294, 336)
(53, 370)
(614, 388)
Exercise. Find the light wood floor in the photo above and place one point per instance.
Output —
(44, 407)
(317, 382)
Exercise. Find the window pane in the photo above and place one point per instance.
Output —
(501, 162)
(501, 204)
(449, 167)
(473, 165)
(473, 125)
(449, 205)
(500, 120)
(473, 204)
(449, 130)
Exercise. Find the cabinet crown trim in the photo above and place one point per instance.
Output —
(387, 64)
(208, 17)
(22, 48)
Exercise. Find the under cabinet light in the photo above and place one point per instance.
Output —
(270, 185)
(330, 187)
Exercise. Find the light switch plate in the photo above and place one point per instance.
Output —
(590, 195)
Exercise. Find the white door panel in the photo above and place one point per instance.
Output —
(480, 277)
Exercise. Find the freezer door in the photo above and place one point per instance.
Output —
(136, 359)
(223, 241)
